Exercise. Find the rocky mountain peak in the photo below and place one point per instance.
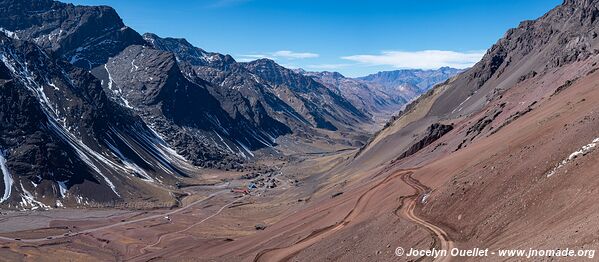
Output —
(269, 70)
(264, 63)
(188, 53)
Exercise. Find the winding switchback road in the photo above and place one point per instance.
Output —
(440, 236)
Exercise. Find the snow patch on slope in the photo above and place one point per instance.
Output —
(28, 201)
(117, 91)
(581, 152)
(84, 153)
(8, 181)
(223, 141)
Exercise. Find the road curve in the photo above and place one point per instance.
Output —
(286, 253)
(440, 236)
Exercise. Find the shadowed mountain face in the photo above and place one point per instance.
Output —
(469, 163)
(61, 133)
(239, 92)
(191, 119)
(98, 113)
(320, 105)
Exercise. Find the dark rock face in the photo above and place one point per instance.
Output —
(46, 106)
(150, 112)
(36, 154)
(188, 53)
(86, 36)
(262, 90)
(433, 133)
(365, 98)
(152, 109)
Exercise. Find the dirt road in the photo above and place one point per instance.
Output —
(143, 250)
(441, 237)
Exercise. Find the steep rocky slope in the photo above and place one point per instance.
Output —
(506, 152)
(538, 49)
(184, 113)
(83, 35)
(517, 169)
(65, 142)
(367, 99)
(502, 156)
(239, 92)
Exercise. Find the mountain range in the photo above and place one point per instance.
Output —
(95, 112)
(384, 92)
(272, 164)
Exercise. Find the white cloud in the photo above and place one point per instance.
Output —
(244, 60)
(290, 66)
(427, 59)
(248, 58)
(293, 55)
(283, 54)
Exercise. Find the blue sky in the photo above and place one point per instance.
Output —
(352, 37)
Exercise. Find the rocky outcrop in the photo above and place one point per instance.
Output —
(433, 133)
